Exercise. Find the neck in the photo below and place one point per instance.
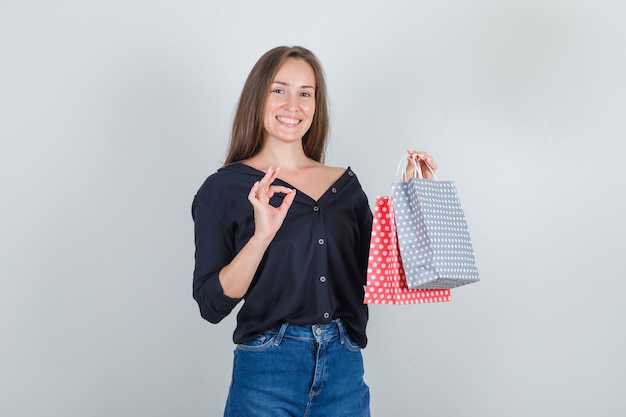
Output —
(287, 156)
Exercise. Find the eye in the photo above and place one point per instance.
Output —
(278, 91)
(305, 94)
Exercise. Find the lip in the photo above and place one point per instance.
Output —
(288, 121)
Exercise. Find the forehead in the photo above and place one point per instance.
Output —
(295, 71)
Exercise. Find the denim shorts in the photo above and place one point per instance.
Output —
(303, 371)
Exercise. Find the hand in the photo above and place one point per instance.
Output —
(267, 218)
(424, 160)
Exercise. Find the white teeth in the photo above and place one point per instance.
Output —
(287, 120)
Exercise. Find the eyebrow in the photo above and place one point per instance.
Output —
(288, 85)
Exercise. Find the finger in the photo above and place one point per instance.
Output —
(431, 163)
(279, 189)
(253, 194)
(426, 172)
(428, 168)
(269, 177)
(271, 174)
(423, 156)
(289, 197)
(273, 189)
(265, 183)
(417, 154)
(413, 161)
(413, 158)
(410, 170)
(426, 159)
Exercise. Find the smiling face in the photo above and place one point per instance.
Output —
(290, 104)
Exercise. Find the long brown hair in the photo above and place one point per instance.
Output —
(246, 136)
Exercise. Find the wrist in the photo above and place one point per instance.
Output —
(260, 241)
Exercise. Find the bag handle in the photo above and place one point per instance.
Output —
(417, 172)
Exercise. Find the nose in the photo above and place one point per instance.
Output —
(292, 102)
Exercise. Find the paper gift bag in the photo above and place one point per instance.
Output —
(433, 236)
(386, 283)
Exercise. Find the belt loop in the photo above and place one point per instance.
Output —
(281, 333)
(342, 331)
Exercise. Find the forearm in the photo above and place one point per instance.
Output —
(235, 278)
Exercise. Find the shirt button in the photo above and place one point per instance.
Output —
(334, 190)
(350, 173)
(321, 241)
(322, 278)
(326, 315)
(316, 208)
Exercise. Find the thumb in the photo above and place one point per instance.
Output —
(284, 206)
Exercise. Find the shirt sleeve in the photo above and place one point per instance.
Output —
(364, 220)
(214, 250)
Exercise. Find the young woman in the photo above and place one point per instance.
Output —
(290, 236)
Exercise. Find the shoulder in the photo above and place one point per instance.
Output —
(334, 171)
(353, 179)
(329, 172)
(225, 193)
(230, 180)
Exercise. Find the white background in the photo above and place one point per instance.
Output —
(112, 113)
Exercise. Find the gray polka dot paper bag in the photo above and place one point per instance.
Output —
(433, 235)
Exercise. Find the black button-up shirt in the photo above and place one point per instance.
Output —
(313, 271)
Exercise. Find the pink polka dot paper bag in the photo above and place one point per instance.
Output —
(386, 282)
(433, 236)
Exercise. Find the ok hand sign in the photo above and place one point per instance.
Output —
(267, 218)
